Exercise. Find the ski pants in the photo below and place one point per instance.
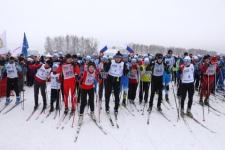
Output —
(187, 88)
(132, 91)
(55, 97)
(38, 86)
(112, 83)
(144, 90)
(84, 94)
(156, 86)
(12, 84)
(69, 87)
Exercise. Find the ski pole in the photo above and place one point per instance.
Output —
(178, 115)
(208, 94)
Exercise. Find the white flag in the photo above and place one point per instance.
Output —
(3, 46)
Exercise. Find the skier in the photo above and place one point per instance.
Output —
(12, 69)
(208, 70)
(102, 76)
(87, 84)
(169, 60)
(157, 81)
(187, 84)
(43, 72)
(133, 80)
(145, 80)
(115, 68)
(55, 79)
(69, 71)
(125, 81)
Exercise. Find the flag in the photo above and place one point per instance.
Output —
(25, 46)
(3, 46)
(16, 52)
(130, 50)
(104, 49)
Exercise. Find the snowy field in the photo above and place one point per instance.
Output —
(133, 133)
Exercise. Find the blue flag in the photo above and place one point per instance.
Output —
(25, 46)
(104, 49)
(130, 49)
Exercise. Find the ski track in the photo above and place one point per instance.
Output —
(133, 132)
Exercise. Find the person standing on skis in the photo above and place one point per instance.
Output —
(208, 71)
(115, 68)
(69, 71)
(169, 60)
(157, 81)
(43, 73)
(187, 84)
(87, 84)
(12, 69)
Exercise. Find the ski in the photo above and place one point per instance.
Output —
(143, 110)
(42, 111)
(187, 124)
(46, 117)
(116, 119)
(5, 106)
(148, 117)
(164, 116)
(201, 124)
(99, 126)
(77, 133)
(110, 119)
(56, 112)
(216, 110)
(61, 120)
(165, 106)
(70, 116)
(169, 104)
(135, 106)
(32, 113)
(132, 114)
(14, 106)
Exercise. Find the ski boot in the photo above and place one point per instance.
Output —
(66, 111)
(167, 98)
(92, 114)
(201, 102)
(8, 101)
(182, 113)
(72, 112)
(206, 102)
(44, 107)
(116, 113)
(159, 108)
(17, 100)
(51, 109)
(149, 109)
(35, 107)
(131, 101)
(80, 120)
(189, 113)
(124, 103)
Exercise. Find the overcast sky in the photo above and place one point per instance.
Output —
(187, 24)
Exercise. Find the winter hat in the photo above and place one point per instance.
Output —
(118, 55)
(206, 57)
(68, 56)
(91, 64)
(146, 61)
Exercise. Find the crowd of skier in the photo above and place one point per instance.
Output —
(78, 82)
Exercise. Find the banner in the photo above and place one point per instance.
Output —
(3, 46)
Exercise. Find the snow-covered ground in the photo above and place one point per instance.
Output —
(133, 133)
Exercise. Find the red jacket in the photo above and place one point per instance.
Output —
(76, 71)
(87, 83)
